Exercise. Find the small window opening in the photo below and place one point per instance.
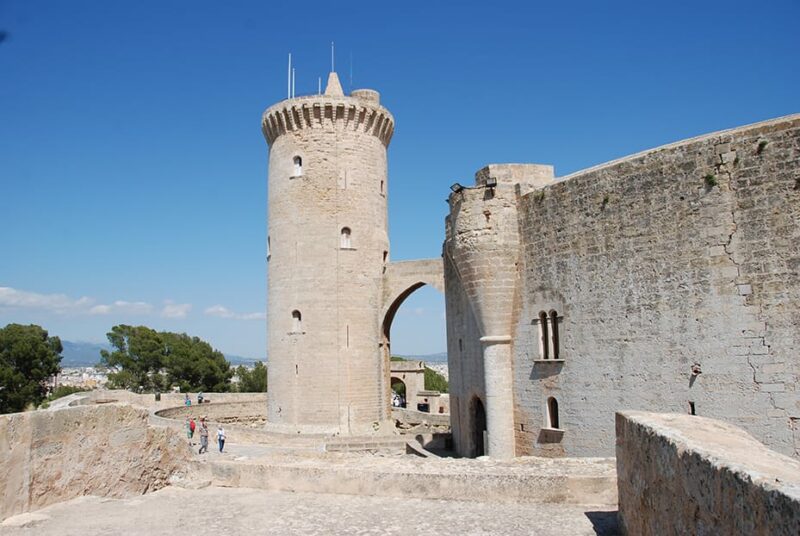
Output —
(544, 339)
(552, 413)
(691, 408)
(344, 240)
(347, 336)
(269, 248)
(381, 187)
(297, 322)
(298, 166)
(554, 333)
(296, 370)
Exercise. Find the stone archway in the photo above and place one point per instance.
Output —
(400, 280)
(398, 386)
(478, 422)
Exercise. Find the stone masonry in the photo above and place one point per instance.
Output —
(680, 474)
(108, 451)
(669, 281)
(328, 256)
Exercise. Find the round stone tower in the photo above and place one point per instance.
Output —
(327, 248)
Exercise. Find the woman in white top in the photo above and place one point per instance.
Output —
(221, 437)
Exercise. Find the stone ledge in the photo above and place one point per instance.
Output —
(682, 474)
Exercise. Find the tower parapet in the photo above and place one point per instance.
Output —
(361, 112)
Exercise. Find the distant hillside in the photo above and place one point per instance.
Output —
(237, 360)
(87, 354)
(441, 357)
(81, 354)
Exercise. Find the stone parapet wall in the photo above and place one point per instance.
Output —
(221, 412)
(52, 456)
(168, 400)
(585, 482)
(679, 474)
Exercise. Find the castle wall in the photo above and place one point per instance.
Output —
(325, 371)
(679, 474)
(684, 256)
(481, 278)
(52, 456)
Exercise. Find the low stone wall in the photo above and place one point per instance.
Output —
(249, 413)
(681, 474)
(587, 481)
(169, 400)
(52, 456)
(409, 416)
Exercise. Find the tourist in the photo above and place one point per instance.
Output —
(220, 437)
(203, 436)
(200, 397)
(186, 400)
(192, 426)
(188, 427)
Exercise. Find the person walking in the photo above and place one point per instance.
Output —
(192, 427)
(188, 428)
(203, 436)
(221, 437)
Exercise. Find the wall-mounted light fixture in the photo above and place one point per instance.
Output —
(456, 187)
(491, 182)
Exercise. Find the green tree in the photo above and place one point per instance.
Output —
(151, 360)
(252, 381)
(28, 357)
(64, 390)
(435, 381)
(138, 357)
(193, 365)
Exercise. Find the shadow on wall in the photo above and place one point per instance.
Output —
(542, 369)
(604, 523)
(547, 436)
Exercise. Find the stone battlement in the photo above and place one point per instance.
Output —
(359, 112)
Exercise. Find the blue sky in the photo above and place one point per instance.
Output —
(133, 169)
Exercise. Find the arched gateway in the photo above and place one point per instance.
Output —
(400, 280)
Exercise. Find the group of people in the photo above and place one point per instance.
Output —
(188, 401)
(202, 429)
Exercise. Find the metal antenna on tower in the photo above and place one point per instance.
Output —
(289, 79)
(332, 65)
(293, 77)
(319, 85)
